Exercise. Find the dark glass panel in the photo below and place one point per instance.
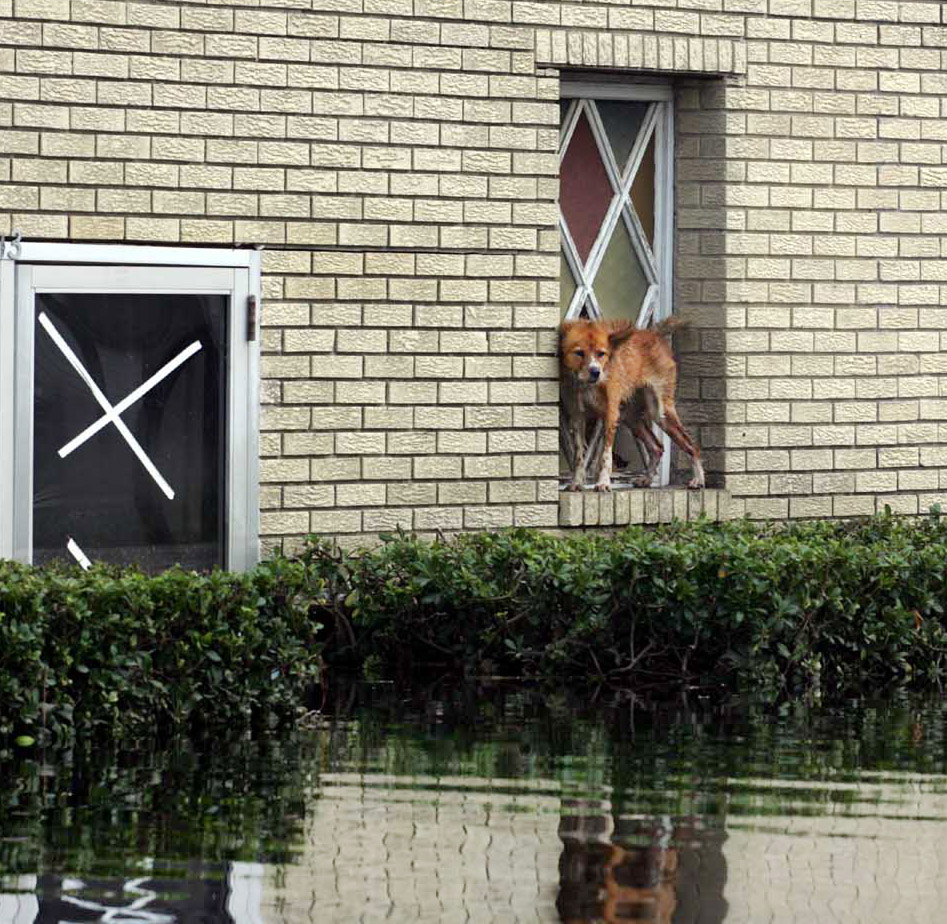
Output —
(584, 188)
(642, 192)
(102, 494)
(622, 121)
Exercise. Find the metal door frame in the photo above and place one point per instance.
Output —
(129, 269)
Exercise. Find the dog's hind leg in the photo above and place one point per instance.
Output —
(645, 453)
(640, 411)
(671, 424)
(651, 452)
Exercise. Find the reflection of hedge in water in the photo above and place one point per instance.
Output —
(647, 750)
(97, 811)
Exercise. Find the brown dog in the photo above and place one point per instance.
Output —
(608, 367)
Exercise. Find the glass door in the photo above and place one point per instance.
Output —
(129, 437)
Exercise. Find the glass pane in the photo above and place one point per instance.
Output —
(566, 285)
(147, 487)
(620, 284)
(585, 191)
(622, 121)
(642, 192)
(564, 105)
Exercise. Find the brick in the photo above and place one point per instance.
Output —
(335, 521)
(42, 9)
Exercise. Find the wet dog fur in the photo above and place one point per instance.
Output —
(611, 370)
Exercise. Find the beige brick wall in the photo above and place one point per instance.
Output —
(810, 259)
(397, 159)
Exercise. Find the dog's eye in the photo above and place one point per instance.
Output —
(600, 354)
(580, 354)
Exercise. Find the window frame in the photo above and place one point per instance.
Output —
(664, 223)
(43, 267)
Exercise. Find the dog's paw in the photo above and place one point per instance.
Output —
(575, 486)
(696, 483)
(603, 487)
(641, 481)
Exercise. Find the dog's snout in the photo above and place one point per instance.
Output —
(594, 373)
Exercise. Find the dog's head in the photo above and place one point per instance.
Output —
(586, 347)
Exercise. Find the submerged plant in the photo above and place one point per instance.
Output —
(116, 649)
(814, 606)
(818, 608)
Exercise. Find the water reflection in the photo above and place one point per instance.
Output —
(494, 806)
(600, 880)
(201, 898)
(639, 871)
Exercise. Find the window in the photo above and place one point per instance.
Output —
(129, 408)
(616, 214)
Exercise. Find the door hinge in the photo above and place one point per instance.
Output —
(251, 318)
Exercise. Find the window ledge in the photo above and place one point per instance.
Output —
(641, 505)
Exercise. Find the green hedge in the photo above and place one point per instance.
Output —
(816, 607)
(827, 606)
(120, 650)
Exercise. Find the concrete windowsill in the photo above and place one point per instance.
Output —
(641, 505)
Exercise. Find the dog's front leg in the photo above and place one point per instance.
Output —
(612, 415)
(577, 426)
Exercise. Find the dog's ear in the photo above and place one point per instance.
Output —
(617, 337)
(564, 329)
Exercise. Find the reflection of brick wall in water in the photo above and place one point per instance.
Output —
(877, 855)
(488, 850)
(406, 849)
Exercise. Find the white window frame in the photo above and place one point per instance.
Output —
(659, 263)
(125, 268)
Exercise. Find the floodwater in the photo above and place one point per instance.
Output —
(487, 804)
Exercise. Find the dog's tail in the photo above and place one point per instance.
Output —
(667, 327)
